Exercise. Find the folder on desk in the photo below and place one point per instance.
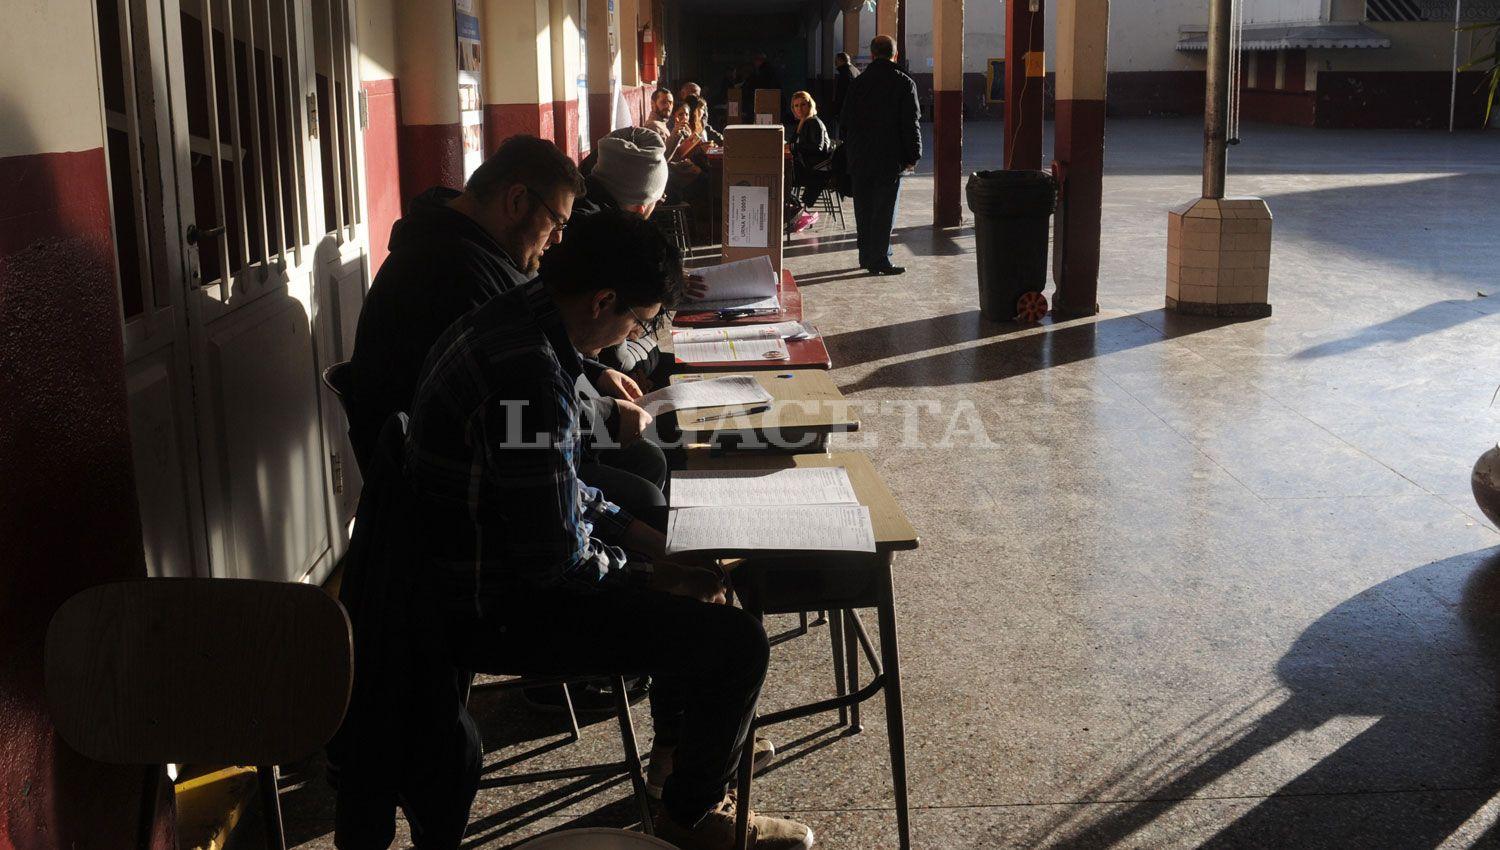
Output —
(743, 285)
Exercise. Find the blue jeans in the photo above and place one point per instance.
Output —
(874, 216)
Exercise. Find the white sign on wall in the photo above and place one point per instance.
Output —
(749, 216)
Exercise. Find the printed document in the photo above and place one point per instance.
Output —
(828, 485)
(731, 350)
(741, 285)
(815, 528)
(776, 330)
(749, 214)
(716, 392)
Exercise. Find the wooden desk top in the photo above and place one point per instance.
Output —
(893, 531)
(791, 309)
(805, 401)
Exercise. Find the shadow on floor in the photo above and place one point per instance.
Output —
(1419, 652)
(1019, 350)
(1419, 322)
(922, 240)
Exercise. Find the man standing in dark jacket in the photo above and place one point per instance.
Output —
(881, 140)
(843, 74)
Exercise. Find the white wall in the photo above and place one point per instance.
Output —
(50, 97)
(1283, 11)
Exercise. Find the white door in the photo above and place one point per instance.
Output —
(250, 261)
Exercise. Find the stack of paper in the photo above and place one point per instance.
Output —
(731, 350)
(775, 330)
(716, 392)
(782, 510)
(743, 285)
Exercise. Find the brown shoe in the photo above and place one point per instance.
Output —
(716, 831)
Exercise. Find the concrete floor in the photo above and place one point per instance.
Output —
(1182, 582)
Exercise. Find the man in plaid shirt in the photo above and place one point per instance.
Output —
(541, 574)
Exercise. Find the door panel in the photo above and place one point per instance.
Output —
(265, 411)
(152, 384)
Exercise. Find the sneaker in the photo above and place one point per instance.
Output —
(661, 763)
(716, 831)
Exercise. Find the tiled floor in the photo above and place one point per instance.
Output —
(1183, 582)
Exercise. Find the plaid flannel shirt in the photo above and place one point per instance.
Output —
(492, 454)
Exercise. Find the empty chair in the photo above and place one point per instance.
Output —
(199, 671)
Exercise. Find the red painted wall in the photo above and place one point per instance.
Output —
(503, 120)
(68, 513)
(382, 166)
(431, 155)
(565, 127)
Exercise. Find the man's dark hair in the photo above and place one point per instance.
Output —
(841, 59)
(616, 250)
(883, 47)
(663, 90)
(535, 163)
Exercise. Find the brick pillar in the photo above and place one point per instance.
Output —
(431, 138)
(947, 111)
(1025, 69)
(517, 71)
(567, 64)
(1082, 39)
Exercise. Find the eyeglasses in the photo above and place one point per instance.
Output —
(653, 325)
(559, 224)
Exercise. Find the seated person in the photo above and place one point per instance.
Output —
(659, 119)
(810, 150)
(689, 89)
(539, 573)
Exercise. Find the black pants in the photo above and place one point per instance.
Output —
(874, 217)
(811, 181)
(715, 655)
(633, 477)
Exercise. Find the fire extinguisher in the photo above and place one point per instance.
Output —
(648, 55)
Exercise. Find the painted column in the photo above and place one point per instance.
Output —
(517, 70)
(567, 64)
(628, 16)
(947, 111)
(1025, 74)
(68, 507)
(1082, 39)
(431, 137)
(603, 63)
(377, 78)
(886, 18)
(851, 30)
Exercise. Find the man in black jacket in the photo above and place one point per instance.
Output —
(881, 140)
(844, 73)
(454, 251)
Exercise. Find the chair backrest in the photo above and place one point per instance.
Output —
(337, 378)
(198, 670)
(595, 839)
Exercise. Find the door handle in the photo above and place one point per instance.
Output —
(194, 234)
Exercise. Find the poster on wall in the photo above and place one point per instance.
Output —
(470, 72)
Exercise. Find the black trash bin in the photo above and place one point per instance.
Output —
(1012, 210)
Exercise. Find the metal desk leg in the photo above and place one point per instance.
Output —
(742, 793)
(270, 801)
(894, 724)
(851, 646)
(632, 754)
(836, 638)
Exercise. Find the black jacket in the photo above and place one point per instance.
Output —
(879, 122)
(442, 265)
(812, 145)
(842, 77)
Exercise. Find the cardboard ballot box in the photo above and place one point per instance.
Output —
(736, 97)
(768, 102)
(753, 192)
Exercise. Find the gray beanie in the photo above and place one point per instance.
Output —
(633, 166)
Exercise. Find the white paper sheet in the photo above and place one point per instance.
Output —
(750, 487)
(716, 392)
(731, 350)
(749, 216)
(804, 528)
(775, 330)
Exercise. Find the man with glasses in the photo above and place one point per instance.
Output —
(538, 572)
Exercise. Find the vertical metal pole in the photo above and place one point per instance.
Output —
(1458, 7)
(1216, 105)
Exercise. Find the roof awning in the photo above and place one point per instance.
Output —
(1295, 37)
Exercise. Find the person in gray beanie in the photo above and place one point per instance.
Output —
(630, 173)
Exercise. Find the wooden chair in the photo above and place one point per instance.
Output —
(673, 221)
(199, 671)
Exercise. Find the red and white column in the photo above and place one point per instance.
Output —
(887, 13)
(567, 65)
(1082, 39)
(947, 111)
(1025, 75)
(851, 29)
(604, 67)
(431, 136)
(378, 62)
(517, 70)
